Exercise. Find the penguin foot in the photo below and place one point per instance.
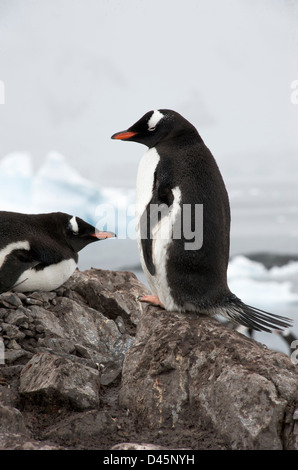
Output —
(151, 299)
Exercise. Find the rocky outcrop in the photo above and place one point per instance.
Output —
(192, 372)
(88, 366)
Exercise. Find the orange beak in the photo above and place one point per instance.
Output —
(123, 135)
(103, 235)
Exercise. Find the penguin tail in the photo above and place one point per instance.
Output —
(236, 310)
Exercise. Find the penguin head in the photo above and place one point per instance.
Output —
(157, 126)
(79, 233)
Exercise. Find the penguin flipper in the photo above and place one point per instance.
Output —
(16, 263)
(146, 241)
(162, 199)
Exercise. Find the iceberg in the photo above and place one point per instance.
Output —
(254, 283)
(57, 186)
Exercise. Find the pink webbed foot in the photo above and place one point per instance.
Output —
(151, 299)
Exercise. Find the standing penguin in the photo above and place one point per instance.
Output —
(185, 256)
(40, 251)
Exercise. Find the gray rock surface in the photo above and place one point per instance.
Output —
(48, 378)
(189, 371)
(88, 366)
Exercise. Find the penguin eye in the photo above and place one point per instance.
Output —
(150, 129)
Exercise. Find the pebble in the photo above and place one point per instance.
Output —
(13, 345)
(12, 331)
(17, 317)
(31, 301)
(120, 323)
(12, 355)
(10, 300)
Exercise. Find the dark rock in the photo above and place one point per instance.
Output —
(10, 300)
(91, 354)
(81, 427)
(113, 293)
(48, 378)
(185, 370)
(88, 366)
(14, 434)
(13, 441)
(12, 344)
(11, 420)
(12, 331)
(59, 345)
(18, 317)
(109, 373)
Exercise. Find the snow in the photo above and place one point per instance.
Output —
(253, 283)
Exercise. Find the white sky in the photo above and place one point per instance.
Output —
(77, 71)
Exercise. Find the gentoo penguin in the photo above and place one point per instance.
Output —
(40, 251)
(183, 222)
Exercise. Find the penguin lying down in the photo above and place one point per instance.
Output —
(185, 255)
(40, 251)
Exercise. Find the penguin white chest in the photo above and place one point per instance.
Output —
(49, 278)
(162, 232)
(145, 182)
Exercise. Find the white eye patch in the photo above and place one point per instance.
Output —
(154, 120)
(74, 225)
